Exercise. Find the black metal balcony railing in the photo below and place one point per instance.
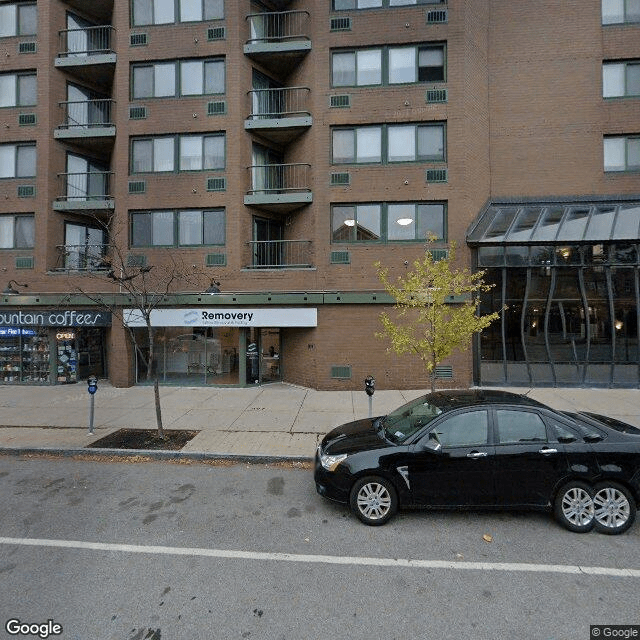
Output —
(81, 257)
(90, 41)
(278, 26)
(279, 178)
(280, 254)
(87, 114)
(283, 102)
(84, 187)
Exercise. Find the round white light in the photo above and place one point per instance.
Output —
(350, 223)
(403, 222)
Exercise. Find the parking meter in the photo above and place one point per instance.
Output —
(92, 387)
(369, 385)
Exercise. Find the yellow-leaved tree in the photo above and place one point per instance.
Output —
(436, 308)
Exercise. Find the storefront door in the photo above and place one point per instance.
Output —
(263, 355)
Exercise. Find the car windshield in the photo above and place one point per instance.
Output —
(408, 419)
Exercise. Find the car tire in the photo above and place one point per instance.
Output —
(374, 500)
(573, 507)
(615, 508)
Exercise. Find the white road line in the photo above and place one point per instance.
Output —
(321, 559)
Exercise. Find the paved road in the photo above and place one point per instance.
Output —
(158, 551)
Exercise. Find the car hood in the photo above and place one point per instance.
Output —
(352, 437)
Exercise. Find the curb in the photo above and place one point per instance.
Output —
(154, 455)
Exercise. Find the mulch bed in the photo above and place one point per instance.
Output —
(174, 439)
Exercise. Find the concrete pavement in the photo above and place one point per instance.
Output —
(278, 421)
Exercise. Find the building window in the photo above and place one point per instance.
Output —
(177, 78)
(147, 12)
(388, 65)
(17, 89)
(340, 5)
(392, 221)
(17, 231)
(402, 143)
(188, 227)
(194, 153)
(619, 11)
(620, 79)
(84, 246)
(622, 153)
(17, 160)
(18, 19)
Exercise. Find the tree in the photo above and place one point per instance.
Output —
(436, 309)
(141, 290)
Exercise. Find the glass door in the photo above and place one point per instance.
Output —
(263, 355)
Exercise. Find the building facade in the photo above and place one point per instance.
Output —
(283, 148)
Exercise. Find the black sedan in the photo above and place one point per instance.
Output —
(485, 449)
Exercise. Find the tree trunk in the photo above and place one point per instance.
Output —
(152, 371)
(156, 396)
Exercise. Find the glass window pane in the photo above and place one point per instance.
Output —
(369, 64)
(213, 227)
(369, 4)
(190, 10)
(343, 222)
(163, 154)
(142, 153)
(213, 9)
(431, 64)
(368, 222)
(25, 232)
(163, 11)
(27, 90)
(6, 231)
(614, 154)
(142, 12)
(7, 161)
(612, 11)
(339, 5)
(140, 229)
(190, 153)
(627, 222)
(8, 20)
(164, 80)
(430, 221)
(431, 143)
(520, 427)
(402, 65)
(633, 153)
(547, 229)
(633, 11)
(402, 143)
(401, 223)
(214, 156)
(369, 144)
(464, 430)
(8, 95)
(191, 78)
(523, 226)
(162, 233)
(400, 3)
(601, 223)
(26, 161)
(28, 20)
(612, 80)
(142, 82)
(214, 77)
(633, 79)
(343, 69)
(190, 225)
(574, 225)
(343, 145)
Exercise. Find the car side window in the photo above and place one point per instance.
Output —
(463, 430)
(520, 427)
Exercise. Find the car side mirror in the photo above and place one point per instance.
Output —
(566, 439)
(430, 443)
(592, 437)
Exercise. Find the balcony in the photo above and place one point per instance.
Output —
(279, 115)
(88, 53)
(85, 192)
(88, 122)
(81, 257)
(279, 188)
(278, 40)
(280, 254)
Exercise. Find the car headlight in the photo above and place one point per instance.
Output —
(331, 462)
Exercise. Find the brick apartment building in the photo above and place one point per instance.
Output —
(286, 146)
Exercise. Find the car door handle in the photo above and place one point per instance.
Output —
(477, 454)
(547, 451)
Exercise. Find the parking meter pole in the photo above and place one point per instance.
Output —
(371, 406)
(92, 387)
(91, 405)
(369, 389)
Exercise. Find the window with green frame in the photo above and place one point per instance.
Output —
(344, 5)
(177, 227)
(148, 12)
(388, 221)
(18, 19)
(389, 143)
(18, 89)
(17, 231)
(621, 79)
(620, 11)
(622, 153)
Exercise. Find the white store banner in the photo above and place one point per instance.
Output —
(226, 317)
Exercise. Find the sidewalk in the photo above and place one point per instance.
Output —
(272, 422)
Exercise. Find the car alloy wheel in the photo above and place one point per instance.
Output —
(574, 507)
(615, 508)
(373, 500)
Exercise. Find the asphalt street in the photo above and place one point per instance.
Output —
(158, 551)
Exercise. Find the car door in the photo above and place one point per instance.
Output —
(529, 464)
(452, 463)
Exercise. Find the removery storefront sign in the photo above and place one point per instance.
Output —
(226, 317)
